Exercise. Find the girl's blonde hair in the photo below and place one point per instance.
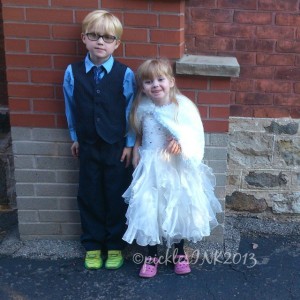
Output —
(102, 21)
(148, 70)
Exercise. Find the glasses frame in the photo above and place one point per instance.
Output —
(111, 38)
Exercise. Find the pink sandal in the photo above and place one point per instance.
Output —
(149, 268)
(182, 265)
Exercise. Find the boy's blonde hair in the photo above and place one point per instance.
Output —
(150, 69)
(102, 21)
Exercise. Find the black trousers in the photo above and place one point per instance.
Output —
(103, 179)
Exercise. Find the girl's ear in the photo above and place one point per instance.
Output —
(172, 82)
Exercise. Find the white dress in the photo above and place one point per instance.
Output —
(171, 197)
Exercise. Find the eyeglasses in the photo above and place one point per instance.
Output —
(92, 36)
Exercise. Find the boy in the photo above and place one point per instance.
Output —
(98, 95)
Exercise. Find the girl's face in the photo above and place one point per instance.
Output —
(158, 89)
(100, 49)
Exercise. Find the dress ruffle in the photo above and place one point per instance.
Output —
(170, 199)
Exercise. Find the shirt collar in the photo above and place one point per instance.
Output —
(107, 65)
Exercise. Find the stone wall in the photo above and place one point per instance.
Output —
(264, 167)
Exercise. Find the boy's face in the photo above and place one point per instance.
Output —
(100, 46)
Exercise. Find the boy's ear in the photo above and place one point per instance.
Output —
(118, 42)
(83, 37)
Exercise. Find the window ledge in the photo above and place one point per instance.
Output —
(208, 66)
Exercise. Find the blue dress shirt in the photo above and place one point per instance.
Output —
(129, 88)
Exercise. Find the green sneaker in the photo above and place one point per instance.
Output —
(93, 260)
(114, 259)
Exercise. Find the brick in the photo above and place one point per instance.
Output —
(13, 13)
(19, 105)
(247, 98)
(50, 106)
(168, 6)
(241, 4)
(246, 58)
(291, 5)
(40, 229)
(32, 120)
(71, 229)
(27, 3)
(66, 32)
(260, 18)
(287, 19)
(51, 76)
(255, 45)
(68, 203)
(56, 163)
(192, 82)
(219, 83)
(24, 162)
(75, 3)
(200, 29)
(17, 75)
(15, 45)
(50, 135)
(24, 189)
(273, 86)
(166, 36)
(27, 30)
(287, 73)
(52, 47)
(213, 98)
(257, 72)
(274, 32)
(275, 59)
(215, 126)
(171, 21)
(59, 216)
(212, 15)
(241, 111)
(135, 35)
(49, 15)
(28, 61)
(36, 203)
(297, 87)
(172, 52)
(201, 3)
(291, 46)
(295, 113)
(271, 112)
(238, 84)
(286, 100)
(216, 112)
(28, 216)
(138, 19)
(67, 176)
(27, 176)
(124, 5)
(56, 190)
(141, 50)
(30, 91)
(235, 30)
(208, 44)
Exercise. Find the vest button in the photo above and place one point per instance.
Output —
(98, 91)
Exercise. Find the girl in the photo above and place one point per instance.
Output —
(171, 196)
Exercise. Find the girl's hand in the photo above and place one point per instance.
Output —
(126, 155)
(173, 147)
(75, 149)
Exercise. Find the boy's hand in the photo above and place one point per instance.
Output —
(75, 149)
(173, 147)
(126, 155)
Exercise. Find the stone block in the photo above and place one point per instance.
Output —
(288, 203)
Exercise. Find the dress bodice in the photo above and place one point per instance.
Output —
(154, 135)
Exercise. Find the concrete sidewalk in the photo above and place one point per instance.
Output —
(262, 262)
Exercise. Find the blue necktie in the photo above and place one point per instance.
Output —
(98, 73)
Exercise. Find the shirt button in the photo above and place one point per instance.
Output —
(98, 91)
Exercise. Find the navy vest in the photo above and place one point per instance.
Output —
(100, 108)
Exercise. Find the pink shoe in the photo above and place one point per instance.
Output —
(182, 265)
(149, 268)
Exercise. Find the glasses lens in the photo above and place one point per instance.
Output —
(92, 36)
(108, 38)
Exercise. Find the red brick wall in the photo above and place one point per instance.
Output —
(264, 36)
(42, 39)
(3, 84)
